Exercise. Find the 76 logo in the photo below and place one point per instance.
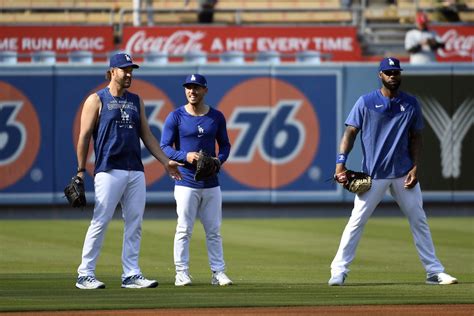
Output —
(12, 132)
(273, 131)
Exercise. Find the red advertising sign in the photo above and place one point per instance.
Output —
(62, 40)
(459, 43)
(341, 42)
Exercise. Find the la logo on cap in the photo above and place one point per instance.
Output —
(193, 78)
(391, 62)
(128, 57)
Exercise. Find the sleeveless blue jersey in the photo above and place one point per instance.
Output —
(385, 125)
(117, 135)
(183, 133)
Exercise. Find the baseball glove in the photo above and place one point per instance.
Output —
(75, 192)
(206, 166)
(355, 182)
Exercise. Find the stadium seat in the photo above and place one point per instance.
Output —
(81, 57)
(467, 16)
(272, 17)
(156, 58)
(385, 13)
(233, 57)
(272, 57)
(43, 57)
(8, 57)
(308, 57)
(196, 57)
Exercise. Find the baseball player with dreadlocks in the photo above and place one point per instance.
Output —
(390, 122)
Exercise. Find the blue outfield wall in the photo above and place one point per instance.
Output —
(285, 122)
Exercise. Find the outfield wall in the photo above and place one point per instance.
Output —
(284, 121)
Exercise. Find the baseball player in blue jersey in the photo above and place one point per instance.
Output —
(390, 122)
(115, 119)
(187, 130)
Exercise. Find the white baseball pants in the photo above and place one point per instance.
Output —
(207, 203)
(112, 187)
(411, 204)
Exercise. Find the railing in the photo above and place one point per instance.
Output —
(229, 57)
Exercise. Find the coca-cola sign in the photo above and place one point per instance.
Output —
(459, 43)
(179, 42)
(340, 42)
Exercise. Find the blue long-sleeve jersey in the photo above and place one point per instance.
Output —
(183, 133)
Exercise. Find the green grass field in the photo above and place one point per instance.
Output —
(273, 262)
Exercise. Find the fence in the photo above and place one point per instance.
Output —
(40, 108)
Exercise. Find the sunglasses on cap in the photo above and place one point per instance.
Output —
(391, 72)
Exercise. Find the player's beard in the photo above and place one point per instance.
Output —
(126, 82)
(393, 85)
(123, 83)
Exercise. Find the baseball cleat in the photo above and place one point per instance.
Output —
(337, 280)
(220, 278)
(89, 282)
(182, 278)
(138, 281)
(441, 278)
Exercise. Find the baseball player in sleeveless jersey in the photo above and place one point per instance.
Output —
(115, 119)
(390, 122)
(187, 130)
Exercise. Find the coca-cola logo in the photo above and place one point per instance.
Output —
(178, 43)
(457, 44)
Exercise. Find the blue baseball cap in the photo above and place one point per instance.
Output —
(196, 79)
(122, 60)
(390, 63)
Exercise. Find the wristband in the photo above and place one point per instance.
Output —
(341, 158)
(81, 170)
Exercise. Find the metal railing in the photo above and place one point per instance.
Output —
(229, 57)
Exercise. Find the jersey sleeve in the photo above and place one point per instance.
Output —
(437, 38)
(170, 139)
(411, 40)
(355, 117)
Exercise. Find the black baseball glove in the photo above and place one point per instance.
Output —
(75, 192)
(353, 181)
(206, 166)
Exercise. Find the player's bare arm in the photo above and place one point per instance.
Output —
(415, 150)
(153, 146)
(89, 116)
(345, 147)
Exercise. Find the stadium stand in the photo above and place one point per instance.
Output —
(227, 11)
(381, 25)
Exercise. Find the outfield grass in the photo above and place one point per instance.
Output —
(273, 262)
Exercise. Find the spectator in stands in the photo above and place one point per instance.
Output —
(422, 43)
(205, 10)
(448, 11)
(347, 4)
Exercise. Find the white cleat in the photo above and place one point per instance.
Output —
(441, 278)
(182, 278)
(337, 280)
(89, 282)
(220, 278)
(138, 282)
